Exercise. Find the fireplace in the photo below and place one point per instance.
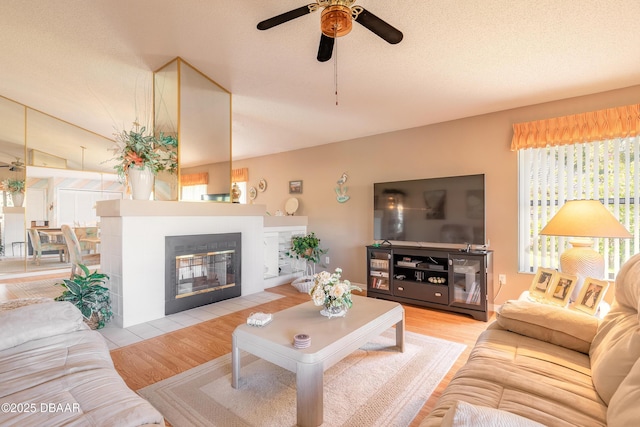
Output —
(201, 269)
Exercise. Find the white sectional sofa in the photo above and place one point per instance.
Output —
(543, 365)
(54, 371)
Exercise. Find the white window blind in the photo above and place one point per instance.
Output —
(193, 192)
(608, 171)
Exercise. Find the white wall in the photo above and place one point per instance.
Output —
(479, 144)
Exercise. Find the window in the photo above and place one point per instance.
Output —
(193, 192)
(194, 185)
(607, 170)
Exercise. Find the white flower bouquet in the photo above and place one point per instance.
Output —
(329, 291)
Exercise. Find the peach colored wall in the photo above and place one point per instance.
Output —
(479, 144)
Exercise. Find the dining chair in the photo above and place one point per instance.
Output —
(75, 253)
(84, 233)
(39, 246)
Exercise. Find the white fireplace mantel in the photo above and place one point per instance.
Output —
(133, 244)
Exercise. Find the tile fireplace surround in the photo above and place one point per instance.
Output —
(133, 240)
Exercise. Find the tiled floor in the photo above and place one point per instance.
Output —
(119, 337)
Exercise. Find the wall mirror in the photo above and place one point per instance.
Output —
(198, 110)
(12, 166)
(66, 169)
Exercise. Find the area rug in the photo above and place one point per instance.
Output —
(374, 386)
(37, 288)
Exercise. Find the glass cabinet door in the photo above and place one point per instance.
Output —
(467, 287)
(379, 261)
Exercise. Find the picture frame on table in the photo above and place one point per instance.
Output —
(591, 295)
(541, 282)
(560, 289)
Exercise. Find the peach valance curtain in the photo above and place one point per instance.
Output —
(195, 179)
(240, 175)
(611, 123)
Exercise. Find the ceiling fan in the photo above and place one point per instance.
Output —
(336, 21)
(17, 165)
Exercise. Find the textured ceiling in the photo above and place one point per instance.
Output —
(90, 62)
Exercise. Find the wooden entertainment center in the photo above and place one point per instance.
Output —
(445, 279)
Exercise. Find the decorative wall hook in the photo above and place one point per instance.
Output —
(341, 189)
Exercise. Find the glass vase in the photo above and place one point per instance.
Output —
(334, 310)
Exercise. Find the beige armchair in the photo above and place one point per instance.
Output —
(39, 246)
(75, 252)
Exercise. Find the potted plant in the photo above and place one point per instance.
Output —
(306, 248)
(16, 188)
(86, 291)
(141, 153)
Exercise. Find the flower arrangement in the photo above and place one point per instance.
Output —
(330, 291)
(13, 185)
(137, 148)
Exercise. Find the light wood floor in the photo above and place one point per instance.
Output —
(158, 358)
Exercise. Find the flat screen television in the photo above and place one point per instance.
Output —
(444, 211)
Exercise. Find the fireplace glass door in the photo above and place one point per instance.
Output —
(207, 272)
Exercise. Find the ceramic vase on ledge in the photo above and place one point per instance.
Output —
(141, 182)
(18, 198)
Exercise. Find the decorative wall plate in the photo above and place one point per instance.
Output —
(253, 193)
(262, 185)
(291, 206)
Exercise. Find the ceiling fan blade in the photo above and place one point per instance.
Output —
(379, 27)
(285, 17)
(325, 50)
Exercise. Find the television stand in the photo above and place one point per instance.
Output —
(444, 279)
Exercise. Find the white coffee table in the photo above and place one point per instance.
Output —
(331, 340)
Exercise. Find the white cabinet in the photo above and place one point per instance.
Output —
(279, 268)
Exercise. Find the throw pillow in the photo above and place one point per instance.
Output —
(615, 349)
(556, 325)
(36, 321)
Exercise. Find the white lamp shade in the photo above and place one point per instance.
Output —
(585, 218)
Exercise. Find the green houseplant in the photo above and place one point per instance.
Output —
(12, 185)
(16, 188)
(86, 291)
(137, 147)
(306, 248)
(140, 155)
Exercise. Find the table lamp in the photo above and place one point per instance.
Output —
(583, 220)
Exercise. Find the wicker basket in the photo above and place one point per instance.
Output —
(303, 284)
(92, 322)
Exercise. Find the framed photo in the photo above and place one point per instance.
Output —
(560, 288)
(295, 187)
(541, 282)
(591, 294)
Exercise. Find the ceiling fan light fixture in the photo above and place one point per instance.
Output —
(336, 21)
